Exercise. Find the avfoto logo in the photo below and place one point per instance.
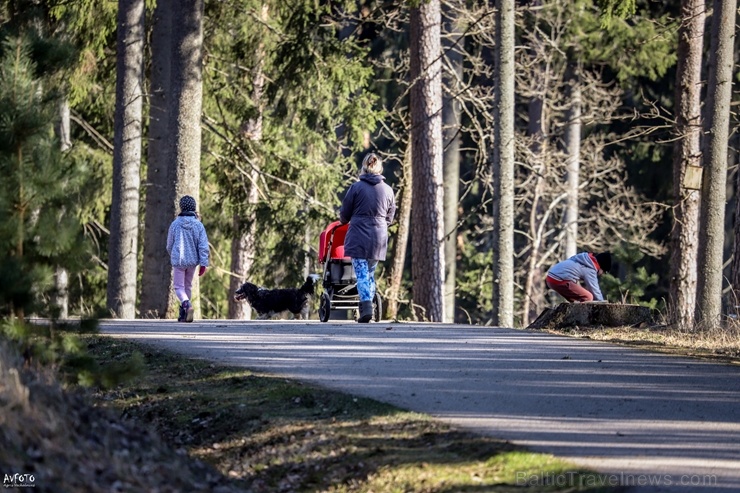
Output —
(18, 480)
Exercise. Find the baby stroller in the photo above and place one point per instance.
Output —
(339, 281)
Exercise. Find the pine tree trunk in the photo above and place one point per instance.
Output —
(686, 156)
(124, 229)
(572, 138)
(156, 280)
(61, 275)
(245, 228)
(719, 95)
(534, 282)
(451, 114)
(395, 277)
(185, 105)
(734, 160)
(427, 215)
(503, 167)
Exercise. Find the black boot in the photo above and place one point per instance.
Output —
(366, 312)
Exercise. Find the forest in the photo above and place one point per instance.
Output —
(514, 135)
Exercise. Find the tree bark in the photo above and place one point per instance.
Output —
(61, 275)
(245, 228)
(572, 138)
(185, 105)
(395, 277)
(533, 290)
(156, 280)
(719, 95)
(124, 229)
(427, 215)
(503, 167)
(686, 154)
(451, 114)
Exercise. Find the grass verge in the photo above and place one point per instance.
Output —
(268, 434)
(719, 345)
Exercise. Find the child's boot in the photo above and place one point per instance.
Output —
(187, 310)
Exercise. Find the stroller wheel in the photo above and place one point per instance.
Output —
(377, 308)
(324, 307)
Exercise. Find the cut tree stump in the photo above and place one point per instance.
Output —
(591, 315)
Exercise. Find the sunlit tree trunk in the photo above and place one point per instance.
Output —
(686, 158)
(572, 144)
(717, 125)
(124, 228)
(503, 167)
(427, 215)
(451, 113)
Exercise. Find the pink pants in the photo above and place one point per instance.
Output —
(183, 282)
(571, 291)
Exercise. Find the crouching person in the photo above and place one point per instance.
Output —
(565, 277)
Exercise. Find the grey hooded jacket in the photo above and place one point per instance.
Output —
(579, 267)
(369, 207)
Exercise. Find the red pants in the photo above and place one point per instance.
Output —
(571, 291)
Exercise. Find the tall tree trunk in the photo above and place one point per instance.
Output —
(534, 293)
(533, 290)
(427, 215)
(686, 157)
(735, 267)
(243, 243)
(185, 105)
(451, 114)
(395, 277)
(156, 280)
(503, 167)
(572, 144)
(61, 275)
(719, 95)
(124, 230)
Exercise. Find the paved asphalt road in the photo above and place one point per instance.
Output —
(642, 418)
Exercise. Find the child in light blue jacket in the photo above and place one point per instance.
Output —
(565, 277)
(187, 244)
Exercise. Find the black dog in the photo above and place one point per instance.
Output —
(270, 302)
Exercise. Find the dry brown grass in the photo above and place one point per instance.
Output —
(719, 344)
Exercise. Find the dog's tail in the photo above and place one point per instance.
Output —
(310, 284)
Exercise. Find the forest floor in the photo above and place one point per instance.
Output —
(190, 425)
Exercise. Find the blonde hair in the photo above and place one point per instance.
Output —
(372, 164)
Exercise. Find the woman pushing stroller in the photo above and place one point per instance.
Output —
(369, 207)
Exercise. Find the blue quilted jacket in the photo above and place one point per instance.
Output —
(187, 242)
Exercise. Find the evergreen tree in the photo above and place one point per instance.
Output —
(38, 222)
(315, 83)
